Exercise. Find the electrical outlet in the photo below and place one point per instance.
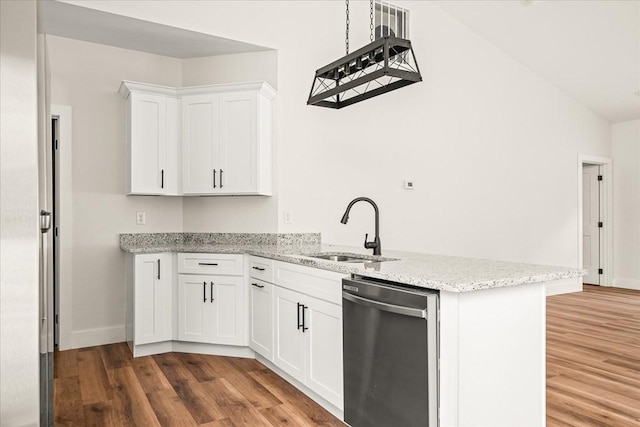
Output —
(287, 217)
(141, 218)
(409, 184)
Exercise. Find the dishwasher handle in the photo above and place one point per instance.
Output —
(383, 306)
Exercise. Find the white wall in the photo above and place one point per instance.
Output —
(19, 233)
(626, 204)
(232, 214)
(86, 76)
(491, 146)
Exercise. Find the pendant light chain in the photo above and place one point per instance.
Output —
(371, 18)
(346, 38)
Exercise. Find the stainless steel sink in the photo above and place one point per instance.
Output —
(352, 258)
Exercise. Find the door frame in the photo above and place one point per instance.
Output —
(65, 211)
(606, 215)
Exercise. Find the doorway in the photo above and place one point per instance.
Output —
(591, 223)
(61, 168)
(594, 215)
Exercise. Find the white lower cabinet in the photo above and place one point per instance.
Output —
(308, 335)
(210, 309)
(261, 317)
(290, 342)
(149, 285)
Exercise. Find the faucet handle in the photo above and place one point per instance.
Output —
(366, 238)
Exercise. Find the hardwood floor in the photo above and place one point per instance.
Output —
(593, 377)
(593, 358)
(105, 386)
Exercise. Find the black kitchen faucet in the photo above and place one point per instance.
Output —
(375, 245)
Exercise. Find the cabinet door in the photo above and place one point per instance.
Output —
(148, 143)
(152, 298)
(261, 317)
(289, 340)
(227, 310)
(200, 144)
(238, 156)
(324, 369)
(194, 308)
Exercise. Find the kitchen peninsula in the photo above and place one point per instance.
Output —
(491, 316)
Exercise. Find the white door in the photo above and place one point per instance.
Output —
(590, 218)
(148, 143)
(227, 315)
(200, 144)
(261, 317)
(238, 142)
(194, 308)
(324, 369)
(152, 298)
(289, 340)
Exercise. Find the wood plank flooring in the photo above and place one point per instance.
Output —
(105, 386)
(593, 378)
(593, 358)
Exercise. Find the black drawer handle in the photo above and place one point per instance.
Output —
(214, 178)
(162, 178)
(211, 291)
(300, 325)
(204, 291)
(158, 268)
(207, 263)
(257, 286)
(258, 268)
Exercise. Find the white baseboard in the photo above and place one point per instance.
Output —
(620, 282)
(99, 336)
(192, 347)
(564, 286)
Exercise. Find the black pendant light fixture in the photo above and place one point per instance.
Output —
(383, 65)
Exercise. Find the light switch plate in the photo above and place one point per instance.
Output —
(141, 218)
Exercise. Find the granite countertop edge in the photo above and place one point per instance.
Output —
(407, 267)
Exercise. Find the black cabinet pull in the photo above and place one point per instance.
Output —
(204, 291)
(304, 326)
(221, 177)
(258, 268)
(300, 325)
(207, 263)
(158, 268)
(162, 178)
(257, 286)
(214, 178)
(211, 291)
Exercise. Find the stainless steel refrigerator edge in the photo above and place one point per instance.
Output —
(46, 204)
(390, 335)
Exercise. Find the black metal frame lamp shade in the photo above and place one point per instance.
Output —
(383, 65)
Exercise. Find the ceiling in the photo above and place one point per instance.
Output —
(589, 49)
(82, 23)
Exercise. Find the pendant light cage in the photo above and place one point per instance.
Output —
(385, 64)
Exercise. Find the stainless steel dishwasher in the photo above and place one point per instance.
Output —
(390, 335)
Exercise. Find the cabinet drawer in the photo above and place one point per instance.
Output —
(261, 268)
(202, 263)
(321, 284)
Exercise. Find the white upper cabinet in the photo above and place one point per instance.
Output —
(152, 123)
(222, 137)
(226, 140)
(200, 136)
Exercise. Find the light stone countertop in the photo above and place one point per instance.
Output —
(446, 273)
